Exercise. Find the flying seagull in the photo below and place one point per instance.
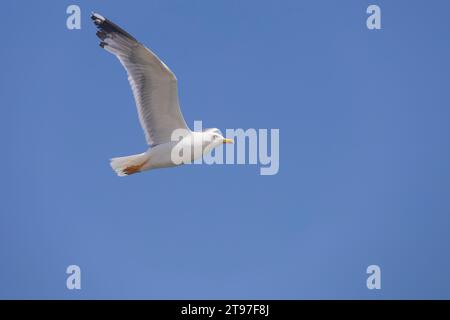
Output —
(155, 92)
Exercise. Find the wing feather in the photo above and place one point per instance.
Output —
(154, 85)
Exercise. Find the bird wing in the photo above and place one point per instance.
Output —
(154, 86)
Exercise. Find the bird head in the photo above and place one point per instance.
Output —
(214, 136)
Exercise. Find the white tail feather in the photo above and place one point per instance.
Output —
(121, 165)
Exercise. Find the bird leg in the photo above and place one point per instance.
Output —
(134, 169)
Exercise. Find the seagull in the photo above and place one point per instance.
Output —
(155, 92)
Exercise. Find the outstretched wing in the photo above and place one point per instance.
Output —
(154, 86)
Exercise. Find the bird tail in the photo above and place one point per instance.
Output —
(124, 166)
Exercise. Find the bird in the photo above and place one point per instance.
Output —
(155, 91)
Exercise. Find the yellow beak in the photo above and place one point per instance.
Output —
(225, 140)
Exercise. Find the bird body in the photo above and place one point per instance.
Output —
(155, 90)
(196, 144)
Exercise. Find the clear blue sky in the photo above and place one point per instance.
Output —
(364, 157)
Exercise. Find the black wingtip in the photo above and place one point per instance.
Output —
(97, 18)
(106, 26)
(101, 35)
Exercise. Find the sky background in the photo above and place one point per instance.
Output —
(364, 152)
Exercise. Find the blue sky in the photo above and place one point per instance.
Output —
(364, 152)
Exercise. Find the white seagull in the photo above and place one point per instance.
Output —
(155, 92)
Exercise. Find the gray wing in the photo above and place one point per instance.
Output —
(154, 86)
